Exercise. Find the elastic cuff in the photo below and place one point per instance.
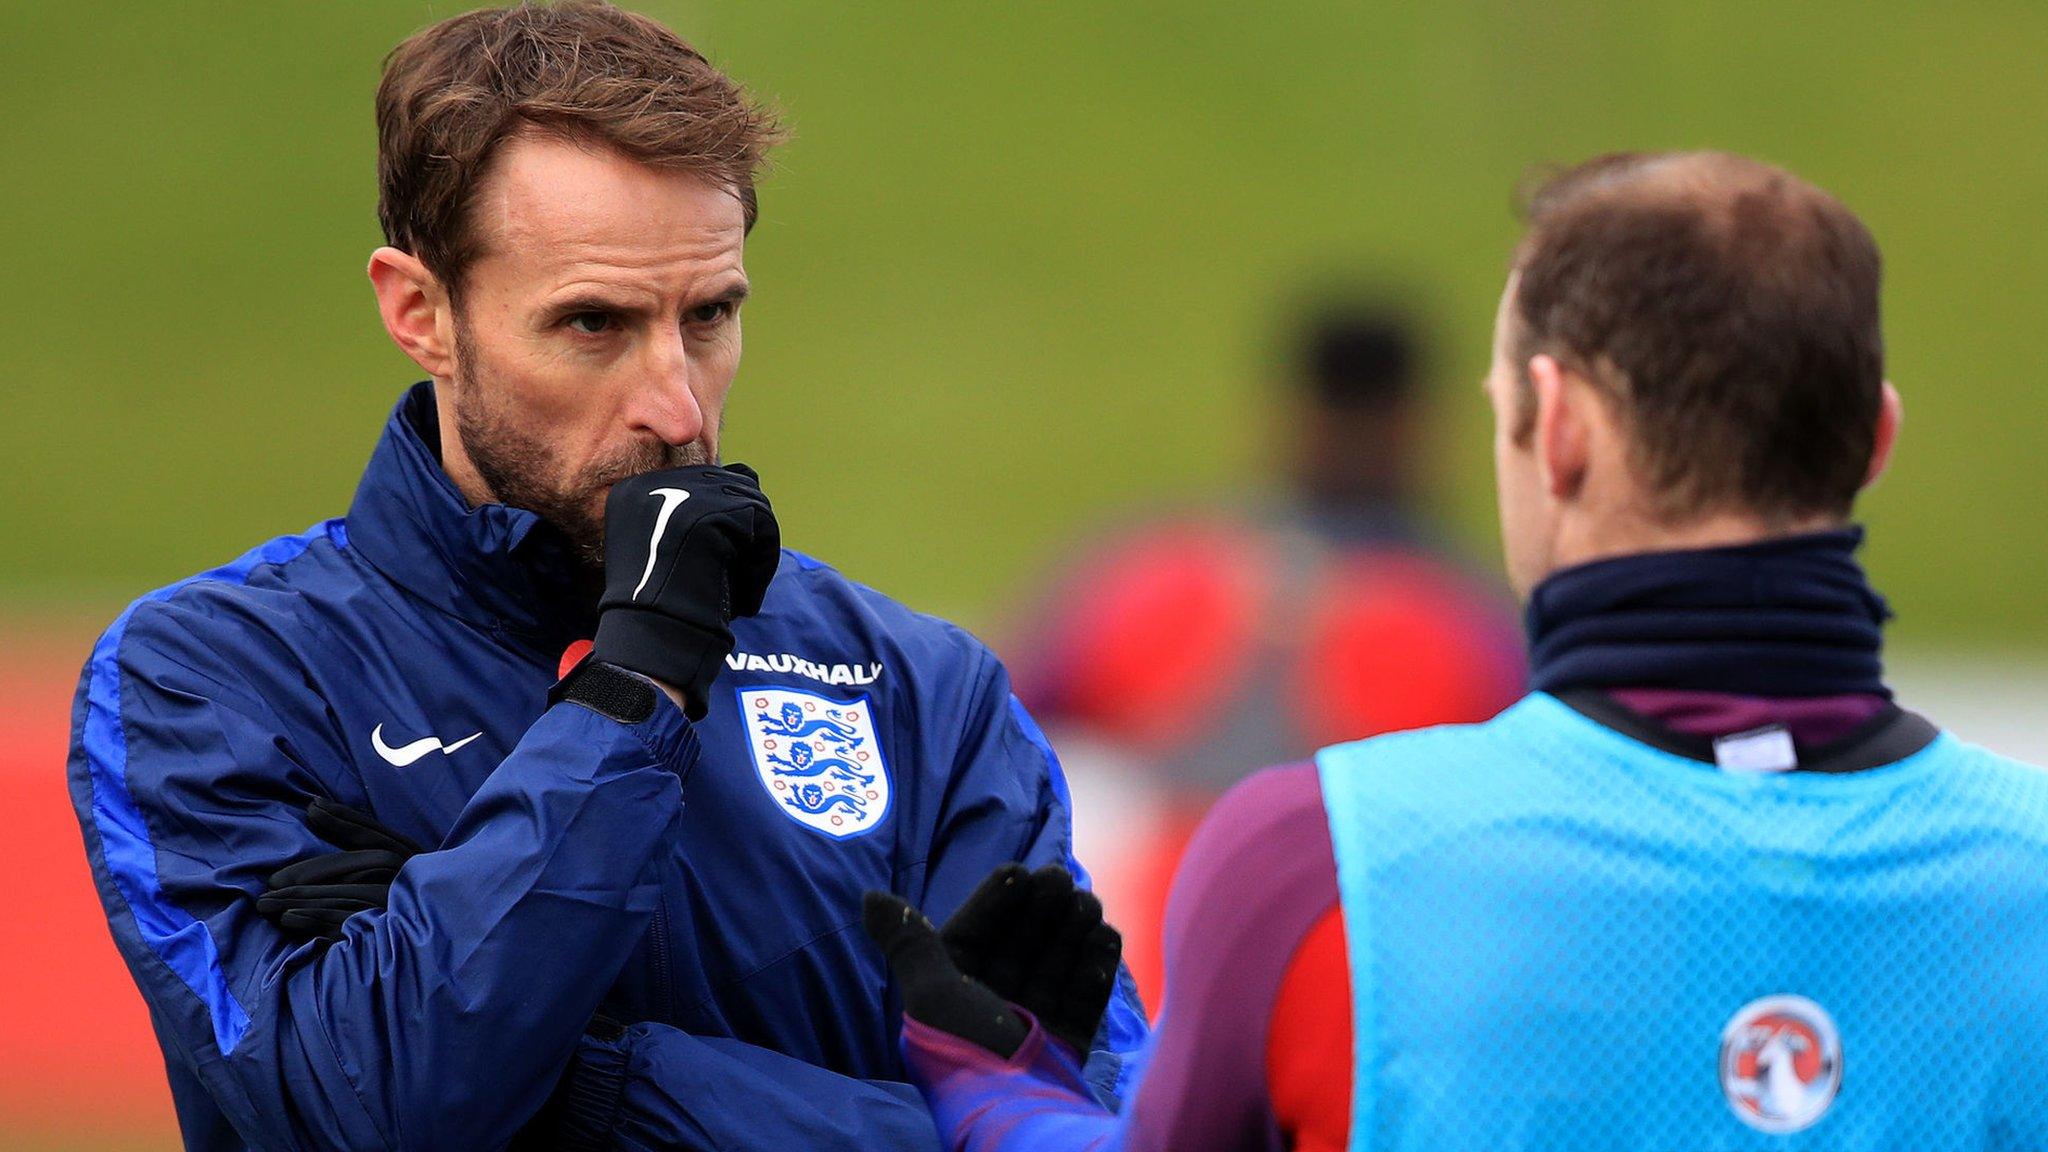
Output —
(592, 1092)
(666, 734)
(1038, 1049)
(670, 736)
(607, 690)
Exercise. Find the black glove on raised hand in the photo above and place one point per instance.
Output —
(686, 550)
(313, 898)
(1032, 939)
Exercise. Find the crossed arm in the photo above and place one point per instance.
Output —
(447, 1018)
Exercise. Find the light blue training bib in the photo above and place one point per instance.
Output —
(1564, 939)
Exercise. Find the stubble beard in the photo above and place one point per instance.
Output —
(517, 463)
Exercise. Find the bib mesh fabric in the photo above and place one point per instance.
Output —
(1551, 925)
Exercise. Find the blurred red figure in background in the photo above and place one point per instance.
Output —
(1187, 651)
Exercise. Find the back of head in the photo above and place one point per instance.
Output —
(1353, 419)
(584, 70)
(1727, 310)
(1358, 355)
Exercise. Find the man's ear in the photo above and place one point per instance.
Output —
(415, 309)
(1891, 412)
(1562, 435)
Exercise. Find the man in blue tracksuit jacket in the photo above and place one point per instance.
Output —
(698, 881)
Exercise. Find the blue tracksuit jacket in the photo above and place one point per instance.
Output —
(701, 881)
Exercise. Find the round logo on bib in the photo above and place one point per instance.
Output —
(1781, 1063)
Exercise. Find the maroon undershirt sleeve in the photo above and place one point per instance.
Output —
(1257, 876)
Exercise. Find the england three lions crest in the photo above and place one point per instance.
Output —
(819, 758)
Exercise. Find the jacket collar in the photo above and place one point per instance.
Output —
(495, 566)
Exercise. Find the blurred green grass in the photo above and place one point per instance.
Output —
(1017, 266)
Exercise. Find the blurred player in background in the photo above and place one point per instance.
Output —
(1191, 650)
(1707, 887)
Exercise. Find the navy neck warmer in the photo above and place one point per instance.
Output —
(1786, 617)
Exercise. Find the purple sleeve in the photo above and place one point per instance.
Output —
(1037, 1100)
(1257, 876)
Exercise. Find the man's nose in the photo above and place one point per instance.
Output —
(664, 403)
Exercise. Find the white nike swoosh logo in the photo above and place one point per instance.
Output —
(670, 497)
(405, 754)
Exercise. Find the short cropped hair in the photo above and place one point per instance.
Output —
(1727, 309)
(1359, 356)
(583, 70)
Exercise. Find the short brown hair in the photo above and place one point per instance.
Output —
(1727, 309)
(584, 70)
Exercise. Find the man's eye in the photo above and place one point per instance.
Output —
(709, 313)
(590, 323)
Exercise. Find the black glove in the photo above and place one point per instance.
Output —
(1029, 938)
(312, 898)
(685, 551)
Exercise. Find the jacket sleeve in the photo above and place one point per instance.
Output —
(1010, 802)
(651, 1087)
(443, 1022)
(1036, 1100)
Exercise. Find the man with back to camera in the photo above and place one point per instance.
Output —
(1707, 887)
(656, 760)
